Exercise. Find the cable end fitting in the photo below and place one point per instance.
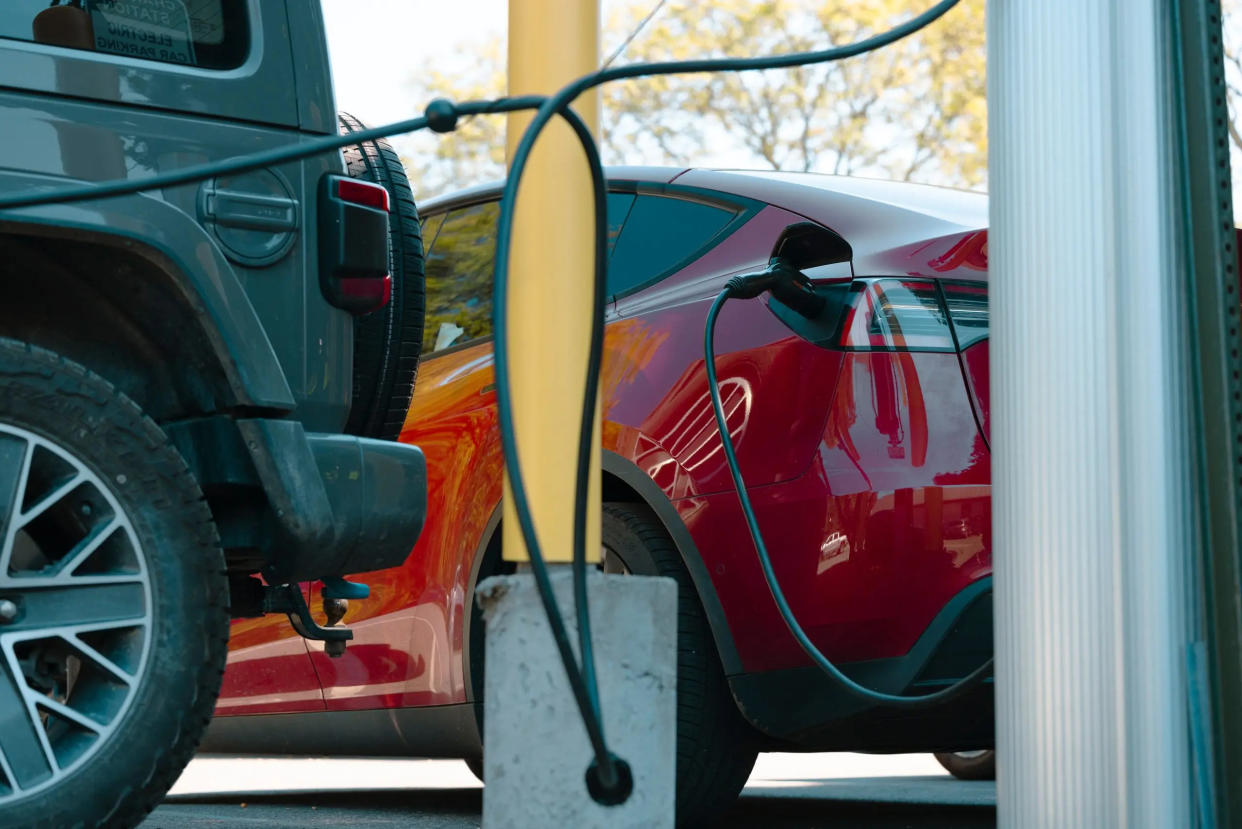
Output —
(441, 115)
(748, 286)
(612, 792)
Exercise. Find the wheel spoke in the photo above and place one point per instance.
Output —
(64, 711)
(48, 500)
(87, 546)
(77, 613)
(99, 601)
(28, 758)
(15, 455)
(99, 659)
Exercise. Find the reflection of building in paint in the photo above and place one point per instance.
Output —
(694, 437)
(834, 551)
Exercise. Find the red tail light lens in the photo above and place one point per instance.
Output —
(896, 315)
(362, 192)
(367, 294)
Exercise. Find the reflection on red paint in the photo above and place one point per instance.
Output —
(268, 670)
(968, 251)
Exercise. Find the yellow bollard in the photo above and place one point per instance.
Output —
(551, 42)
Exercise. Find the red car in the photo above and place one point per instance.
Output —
(863, 435)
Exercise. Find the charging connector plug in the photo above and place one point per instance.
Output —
(786, 283)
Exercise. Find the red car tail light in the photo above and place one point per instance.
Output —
(968, 311)
(893, 314)
(896, 315)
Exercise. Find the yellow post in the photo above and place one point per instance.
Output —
(551, 42)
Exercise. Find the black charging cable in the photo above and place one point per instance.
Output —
(608, 778)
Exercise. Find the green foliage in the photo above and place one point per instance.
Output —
(459, 276)
(914, 110)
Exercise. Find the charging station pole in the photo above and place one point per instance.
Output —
(551, 42)
(1092, 437)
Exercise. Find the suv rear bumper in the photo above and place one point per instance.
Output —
(335, 504)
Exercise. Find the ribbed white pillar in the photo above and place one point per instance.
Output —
(1090, 453)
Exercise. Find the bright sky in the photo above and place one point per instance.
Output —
(378, 45)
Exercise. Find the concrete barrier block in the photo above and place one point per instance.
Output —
(537, 751)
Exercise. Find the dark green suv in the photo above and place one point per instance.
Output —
(199, 385)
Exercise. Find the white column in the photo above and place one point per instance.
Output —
(1091, 470)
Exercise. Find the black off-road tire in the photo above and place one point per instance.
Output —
(387, 343)
(151, 740)
(969, 765)
(716, 749)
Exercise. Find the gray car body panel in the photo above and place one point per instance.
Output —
(63, 130)
(153, 229)
(316, 100)
(261, 90)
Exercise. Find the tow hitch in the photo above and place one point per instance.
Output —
(253, 598)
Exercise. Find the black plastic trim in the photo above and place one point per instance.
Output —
(429, 731)
(334, 504)
(802, 706)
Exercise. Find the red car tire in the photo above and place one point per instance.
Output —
(969, 765)
(715, 747)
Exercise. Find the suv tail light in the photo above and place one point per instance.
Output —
(353, 244)
(913, 315)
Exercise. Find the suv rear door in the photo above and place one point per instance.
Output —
(132, 88)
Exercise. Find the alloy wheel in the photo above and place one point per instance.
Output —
(75, 612)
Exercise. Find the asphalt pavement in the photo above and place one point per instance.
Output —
(785, 791)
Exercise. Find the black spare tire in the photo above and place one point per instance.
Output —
(387, 342)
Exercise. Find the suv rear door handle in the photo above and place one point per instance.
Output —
(251, 211)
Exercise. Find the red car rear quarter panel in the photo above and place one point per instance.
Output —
(775, 386)
(775, 397)
(892, 519)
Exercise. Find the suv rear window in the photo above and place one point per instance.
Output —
(211, 34)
